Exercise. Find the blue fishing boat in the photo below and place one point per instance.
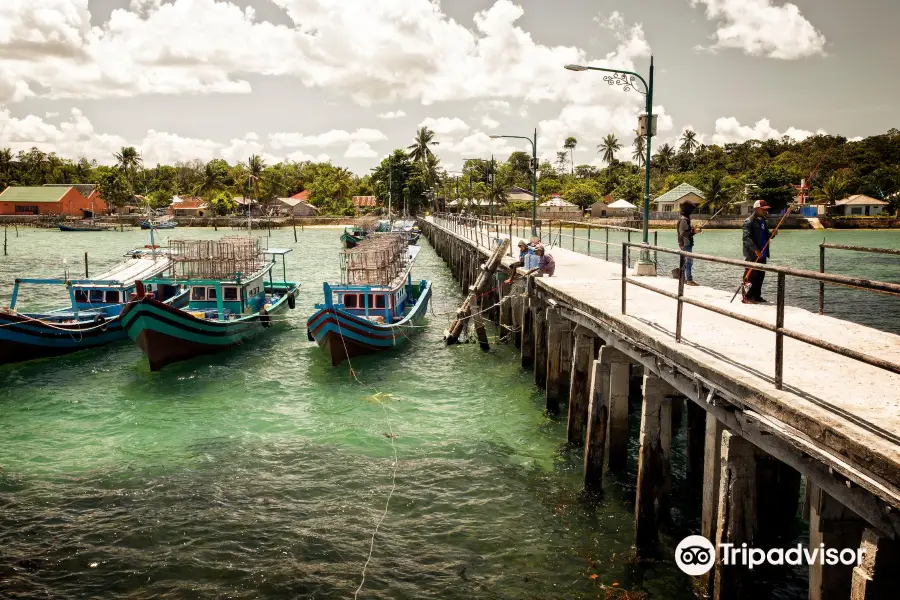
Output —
(233, 297)
(92, 317)
(376, 306)
(162, 224)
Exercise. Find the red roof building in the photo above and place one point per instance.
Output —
(365, 201)
(304, 195)
(48, 200)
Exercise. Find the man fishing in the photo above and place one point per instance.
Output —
(686, 233)
(756, 249)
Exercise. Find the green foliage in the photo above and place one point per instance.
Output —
(113, 186)
(583, 193)
(223, 203)
(775, 186)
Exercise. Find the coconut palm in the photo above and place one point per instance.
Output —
(609, 147)
(689, 141)
(129, 160)
(419, 149)
(664, 157)
(640, 149)
(834, 189)
(569, 145)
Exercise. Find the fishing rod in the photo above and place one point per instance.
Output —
(787, 211)
(718, 212)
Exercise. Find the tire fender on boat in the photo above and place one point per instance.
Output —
(100, 321)
(264, 318)
(292, 302)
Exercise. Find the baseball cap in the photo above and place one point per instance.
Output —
(761, 204)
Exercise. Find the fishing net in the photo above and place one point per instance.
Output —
(224, 259)
(377, 260)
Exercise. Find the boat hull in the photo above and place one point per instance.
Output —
(345, 336)
(158, 226)
(168, 335)
(350, 241)
(82, 228)
(27, 337)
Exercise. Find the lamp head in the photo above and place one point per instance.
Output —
(495, 137)
(576, 68)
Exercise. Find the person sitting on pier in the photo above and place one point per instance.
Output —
(546, 265)
(686, 233)
(756, 249)
(523, 252)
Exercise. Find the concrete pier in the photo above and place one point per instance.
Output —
(748, 443)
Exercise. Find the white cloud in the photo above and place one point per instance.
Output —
(760, 28)
(446, 127)
(489, 122)
(501, 106)
(730, 130)
(335, 137)
(394, 114)
(479, 144)
(360, 149)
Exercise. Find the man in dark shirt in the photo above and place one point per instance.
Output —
(756, 249)
(686, 233)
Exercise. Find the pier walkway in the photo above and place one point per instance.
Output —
(835, 420)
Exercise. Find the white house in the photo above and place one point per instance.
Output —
(859, 205)
(517, 194)
(672, 200)
(558, 208)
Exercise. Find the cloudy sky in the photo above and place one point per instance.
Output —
(348, 80)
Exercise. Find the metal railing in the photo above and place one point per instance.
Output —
(825, 245)
(550, 233)
(778, 328)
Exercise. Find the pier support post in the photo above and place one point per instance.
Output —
(778, 493)
(598, 416)
(555, 338)
(712, 470)
(517, 302)
(836, 526)
(695, 439)
(877, 577)
(505, 318)
(651, 466)
(540, 345)
(528, 333)
(617, 446)
(579, 385)
(737, 512)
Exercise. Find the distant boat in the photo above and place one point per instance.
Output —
(92, 319)
(376, 306)
(85, 227)
(353, 236)
(226, 307)
(167, 224)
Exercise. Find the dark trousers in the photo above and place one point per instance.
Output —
(756, 280)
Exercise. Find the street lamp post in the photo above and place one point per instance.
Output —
(626, 79)
(534, 167)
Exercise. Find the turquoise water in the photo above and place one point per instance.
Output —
(261, 472)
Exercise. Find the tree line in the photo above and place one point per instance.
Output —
(412, 177)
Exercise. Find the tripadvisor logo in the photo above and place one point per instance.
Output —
(696, 555)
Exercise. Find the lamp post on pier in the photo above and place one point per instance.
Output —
(534, 168)
(626, 79)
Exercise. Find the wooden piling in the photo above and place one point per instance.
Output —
(617, 431)
(294, 223)
(877, 577)
(650, 476)
(737, 513)
(480, 287)
(836, 526)
(579, 385)
(528, 333)
(86, 276)
(555, 374)
(518, 302)
(5, 227)
(540, 345)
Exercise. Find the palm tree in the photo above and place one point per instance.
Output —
(689, 141)
(609, 147)
(420, 150)
(640, 149)
(569, 145)
(834, 189)
(664, 157)
(561, 159)
(129, 160)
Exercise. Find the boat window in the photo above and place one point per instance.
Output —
(112, 297)
(230, 293)
(371, 301)
(211, 293)
(96, 296)
(379, 301)
(351, 300)
(81, 296)
(198, 293)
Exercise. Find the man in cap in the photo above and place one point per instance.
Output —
(686, 233)
(756, 249)
(546, 265)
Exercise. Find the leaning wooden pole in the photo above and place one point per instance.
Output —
(482, 285)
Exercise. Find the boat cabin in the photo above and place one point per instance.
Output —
(376, 303)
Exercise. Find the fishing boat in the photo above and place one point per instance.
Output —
(93, 317)
(89, 226)
(353, 236)
(407, 228)
(376, 306)
(164, 223)
(233, 297)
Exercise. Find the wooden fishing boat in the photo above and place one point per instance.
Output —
(353, 236)
(376, 306)
(93, 317)
(85, 227)
(162, 224)
(226, 307)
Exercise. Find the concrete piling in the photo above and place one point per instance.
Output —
(712, 471)
(696, 436)
(836, 526)
(651, 466)
(540, 345)
(579, 385)
(617, 431)
(528, 333)
(736, 523)
(877, 577)
(555, 379)
(778, 493)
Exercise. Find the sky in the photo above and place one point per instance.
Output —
(349, 80)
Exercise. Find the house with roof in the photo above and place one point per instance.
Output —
(295, 207)
(671, 201)
(190, 207)
(517, 194)
(600, 207)
(858, 205)
(48, 200)
(558, 208)
(364, 201)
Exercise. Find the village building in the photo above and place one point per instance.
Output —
(859, 205)
(599, 208)
(557, 208)
(295, 207)
(364, 204)
(50, 200)
(190, 207)
(517, 194)
(671, 201)
(621, 208)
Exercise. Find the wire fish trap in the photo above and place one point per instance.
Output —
(376, 260)
(224, 259)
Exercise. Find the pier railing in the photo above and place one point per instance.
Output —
(778, 328)
(825, 245)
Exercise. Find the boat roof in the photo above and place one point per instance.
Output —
(131, 270)
(278, 251)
